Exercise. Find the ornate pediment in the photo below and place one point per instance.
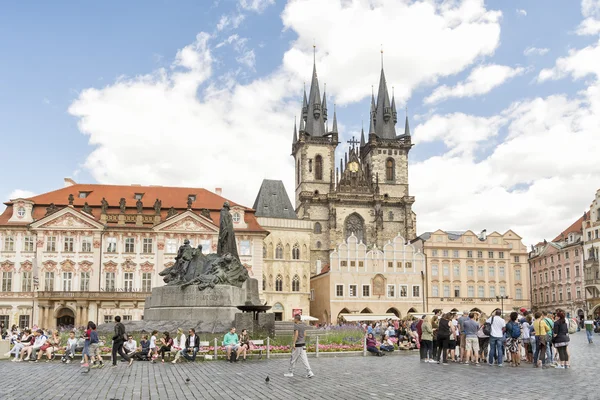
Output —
(67, 218)
(26, 266)
(67, 266)
(147, 266)
(188, 222)
(7, 266)
(110, 266)
(128, 266)
(85, 266)
(49, 265)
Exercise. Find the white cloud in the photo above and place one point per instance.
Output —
(232, 21)
(590, 9)
(247, 58)
(579, 64)
(530, 51)
(521, 12)
(255, 5)
(193, 124)
(481, 80)
(20, 194)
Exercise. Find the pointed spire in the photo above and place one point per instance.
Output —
(362, 136)
(304, 105)
(406, 128)
(295, 139)
(334, 129)
(324, 106)
(373, 109)
(301, 125)
(372, 127)
(315, 118)
(394, 113)
(384, 121)
(341, 166)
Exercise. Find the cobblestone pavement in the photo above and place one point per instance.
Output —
(398, 377)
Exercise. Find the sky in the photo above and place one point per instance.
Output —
(503, 98)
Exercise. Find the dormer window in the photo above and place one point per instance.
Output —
(192, 197)
(83, 195)
(236, 217)
(138, 196)
(21, 212)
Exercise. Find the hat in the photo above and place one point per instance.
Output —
(298, 317)
(523, 310)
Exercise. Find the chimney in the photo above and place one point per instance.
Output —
(69, 182)
(218, 191)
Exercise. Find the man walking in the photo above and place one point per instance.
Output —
(118, 341)
(589, 330)
(496, 337)
(471, 328)
(299, 348)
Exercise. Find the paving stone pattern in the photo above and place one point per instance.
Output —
(398, 377)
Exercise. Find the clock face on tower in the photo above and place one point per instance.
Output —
(353, 166)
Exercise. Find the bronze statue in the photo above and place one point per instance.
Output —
(87, 209)
(103, 206)
(205, 212)
(139, 206)
(225, 270)
(122, 205)
(189, 203)
(157, 206)
(71, 199)
(226, 242)
(172, 211)
(51, 209)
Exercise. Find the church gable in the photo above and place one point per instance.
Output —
(187, 222)
(67, 218)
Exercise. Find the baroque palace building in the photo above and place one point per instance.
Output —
(90, 252)
(557, 272)
(591, 245)
(286, 259)
(466, 271)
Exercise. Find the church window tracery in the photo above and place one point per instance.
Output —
(279, 283)
(319, 168)
(296, 252)
(279, 252)
(389, 169)
(354, 225)
(296, 283)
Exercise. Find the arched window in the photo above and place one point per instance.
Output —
(317, 227)
(355, 225)
(319, 168)
(264, 283)
(264, 251)
(389, 169)
(296, 252)
(279, 283)
(296, 283)
(279, 252)
(391, 216)
(318, 245)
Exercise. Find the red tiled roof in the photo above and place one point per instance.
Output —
(169, 196)
(575, 227)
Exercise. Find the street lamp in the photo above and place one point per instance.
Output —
(501, 300)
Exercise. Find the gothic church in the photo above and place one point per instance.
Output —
(367, 194)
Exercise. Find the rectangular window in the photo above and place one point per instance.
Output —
(471, 291)
(470, 270)
(435, 291)
(366, 291)
(554, 297)
(127, 318)
(129, 245)
(391, 291)
(68, 244)
(245, 249)
(67, 281)
(545, 277)
(146, 281)
(566, 254)
(28, 243)
(446, 290)
(84, 281)
(408, 265)
(518, 275)
(456, 291)
(343, 263)
(479, 254)
(502, 291)
(456, 271)
(469, 253)
(445, 253)
(86, 244)
(434, 270)
(576, 253)
(578, 293)
(492, 291)
(361, 264)
(147, 246)
(23, 321)
(480, 291)
(568, 273)
(111, 245)
(491, 272)
(171, 246)
(501, 272)
(403, 291)
(353, 263)
(480, 271)
(26, 281)
(516, 258)
(9, 243)
(108, 319)
(490, 254)
(353, 291)
(416, 291)
(446, 269)
(568, 293)
(51, 243)
(455, 253)
(109, 281)
(434, 253)
(577, 270)
(7, 281)
(390, 265)
(312, 296)
(399, 265)
(559, 274)
(339, 290)
(560, 295)
(534, 277)
(128, 281)
(519, 293)
(49, 281)
(501, 254)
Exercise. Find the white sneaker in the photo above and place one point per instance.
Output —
(310, 374)
(289, 375)
(7, 354)
(81, 362)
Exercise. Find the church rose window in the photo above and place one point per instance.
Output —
(355, 225)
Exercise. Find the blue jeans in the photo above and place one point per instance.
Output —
(185, 353)
(549, 352)
(496, 344)
(589, 335)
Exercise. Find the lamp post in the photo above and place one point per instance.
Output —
(501, 300)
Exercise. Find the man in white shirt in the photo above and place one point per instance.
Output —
(496, 336)
(130, 345)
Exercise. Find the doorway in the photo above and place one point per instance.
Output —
(65, 318)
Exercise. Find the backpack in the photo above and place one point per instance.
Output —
(514, 330)
(572, 326)
(487, 327)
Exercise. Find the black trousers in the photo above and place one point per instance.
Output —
(443, 342)
(117, 347)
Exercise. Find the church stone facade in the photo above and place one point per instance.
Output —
(366, 193)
